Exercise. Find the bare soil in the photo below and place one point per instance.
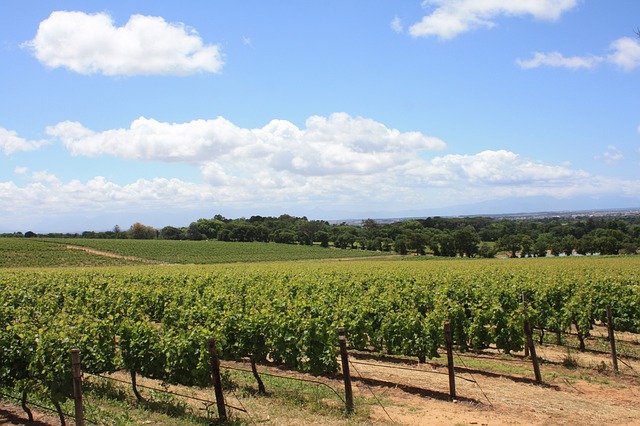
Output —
(492, 389)
(112, 255)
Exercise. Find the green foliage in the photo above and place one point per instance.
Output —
(32, 252)
(155, 320)
(202, 252)
(138, 231)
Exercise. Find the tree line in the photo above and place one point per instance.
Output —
(438, 236)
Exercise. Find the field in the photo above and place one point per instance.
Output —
(153, 319)
(210, 252)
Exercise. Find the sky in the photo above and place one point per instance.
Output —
(164, 112)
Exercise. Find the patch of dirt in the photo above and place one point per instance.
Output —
(404, 392)
(112, 255)
(14, 415)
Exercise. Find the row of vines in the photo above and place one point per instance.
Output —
(153, 321)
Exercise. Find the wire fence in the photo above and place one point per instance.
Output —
(207, 403)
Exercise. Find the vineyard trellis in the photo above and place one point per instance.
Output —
(150, 321)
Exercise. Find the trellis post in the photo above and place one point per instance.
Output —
(448, 339)
(612, 339)
(342, 339)
(529, 333)
(217, 382)
(76, 373)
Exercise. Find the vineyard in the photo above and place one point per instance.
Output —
(152, 321)
(33, 253)
(22, 252)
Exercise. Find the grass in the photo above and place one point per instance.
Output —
(286, 400)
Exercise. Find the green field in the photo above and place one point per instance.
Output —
(34, 252)
(283, 311)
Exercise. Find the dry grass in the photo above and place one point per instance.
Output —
(492, 389)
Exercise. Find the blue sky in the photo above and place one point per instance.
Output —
(164, 112)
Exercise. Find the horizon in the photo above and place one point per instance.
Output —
(383, 220)
(162, 113)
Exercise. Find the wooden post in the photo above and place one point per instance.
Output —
(612, 339)
(345, 370)
(217, 382)
(449, 344)
(529, 333)
(77, 386)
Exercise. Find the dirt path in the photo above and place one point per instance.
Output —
(113, 255)
(418, 398)
(14, 415)
(403, 392)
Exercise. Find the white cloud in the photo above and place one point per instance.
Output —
(492, 168)
(449, 18)
(557, 60)
(145, 45)
(396, 25)
(626, 55)
(611, 156)
(255, 186)
(47, 194)
(338, 144)
(11, 143)
(340, 162)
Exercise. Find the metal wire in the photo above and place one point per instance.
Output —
(408, 369)
(287, 377)
(372, 392)
(195, 398)
(474, 379)
(44, 407)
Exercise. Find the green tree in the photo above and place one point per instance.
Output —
(323, 238)
(487, 250)
(193, 233)
(309, 229)
(527, 246)
(400, 245)
(511, 243)
(466, 240)
(171, 233)
(138, 231)
(445, 245)
(416, 240)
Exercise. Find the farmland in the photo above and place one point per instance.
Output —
(285, 313)
(33, 253)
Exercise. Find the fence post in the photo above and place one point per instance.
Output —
(77, 386)
(217, 382)
(345, 370)
(448, 339)
(529, 333)
(612, 339)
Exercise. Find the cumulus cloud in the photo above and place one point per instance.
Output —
(625, 53)
(328, 145)
(449, 18)
(611, 156)
(48, 194)
(338, 161)
(145, 45)
(419, 183)
(492, 168)
(11, 143)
